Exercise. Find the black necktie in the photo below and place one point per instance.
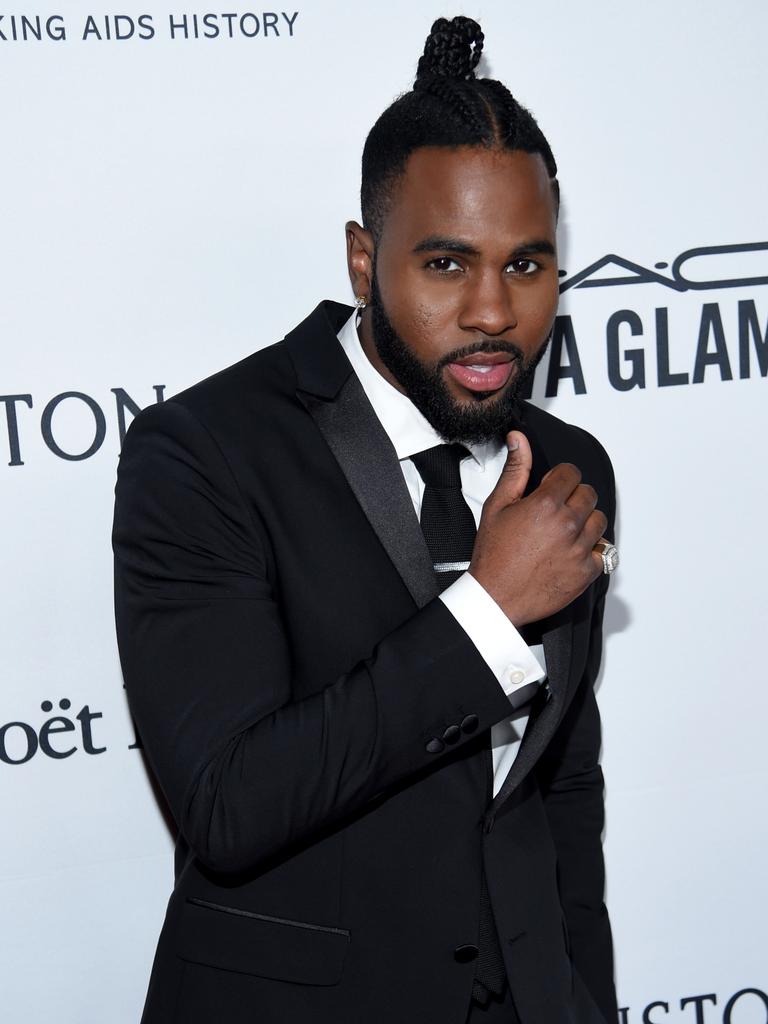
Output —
(446, 519)
(449, 530)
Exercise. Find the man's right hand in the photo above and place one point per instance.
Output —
(534, 554)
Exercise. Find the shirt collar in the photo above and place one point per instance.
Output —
(406, 428)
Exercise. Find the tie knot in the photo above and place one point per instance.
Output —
(439, 466)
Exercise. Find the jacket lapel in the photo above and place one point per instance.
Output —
(335, 399)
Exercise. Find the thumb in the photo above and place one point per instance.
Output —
(517, 468)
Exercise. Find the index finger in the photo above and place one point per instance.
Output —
(561, 481)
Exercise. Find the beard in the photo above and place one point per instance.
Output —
(488, 416)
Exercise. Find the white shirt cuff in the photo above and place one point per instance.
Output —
(508, 656)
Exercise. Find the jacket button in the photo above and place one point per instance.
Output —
(465, 954)
(470, 723)
(435, 746)
(451, 734)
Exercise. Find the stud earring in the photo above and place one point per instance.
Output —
(360, 302)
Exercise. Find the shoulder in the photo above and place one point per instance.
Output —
(230, 403)
(257, 396)
(243, 388)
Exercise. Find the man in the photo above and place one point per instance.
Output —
(332, 665)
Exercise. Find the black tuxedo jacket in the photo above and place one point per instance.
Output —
(288, 664)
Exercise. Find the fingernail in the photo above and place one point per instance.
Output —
(513, 445)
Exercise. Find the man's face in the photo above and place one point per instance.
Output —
(465, 286)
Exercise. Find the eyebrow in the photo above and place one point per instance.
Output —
(439, 243)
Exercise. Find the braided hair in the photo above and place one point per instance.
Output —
(448, 106)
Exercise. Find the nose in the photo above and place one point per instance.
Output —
(488, 305)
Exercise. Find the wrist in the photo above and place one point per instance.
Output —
(511, 608)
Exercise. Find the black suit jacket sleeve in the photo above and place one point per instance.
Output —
(571, 780)
(249, 770)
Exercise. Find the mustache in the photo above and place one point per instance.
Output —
(488, 347)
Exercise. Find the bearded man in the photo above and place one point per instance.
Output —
(359, 588)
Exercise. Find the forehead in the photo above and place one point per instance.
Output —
(481, 195)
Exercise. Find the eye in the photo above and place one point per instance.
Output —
(523, 266)
(444, 265)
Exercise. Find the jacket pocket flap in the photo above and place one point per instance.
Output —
(269, 947)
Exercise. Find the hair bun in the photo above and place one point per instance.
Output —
(452, 49)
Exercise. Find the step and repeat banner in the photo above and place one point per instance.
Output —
(174, 182)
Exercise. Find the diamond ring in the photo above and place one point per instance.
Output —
(609, 554)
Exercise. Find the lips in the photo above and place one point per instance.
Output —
(483, 371)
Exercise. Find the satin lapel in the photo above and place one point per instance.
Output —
(557, 635)
(369, 462)
(334, 397)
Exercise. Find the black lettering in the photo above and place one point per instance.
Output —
(563, 335)
(652, 1006)
(55, 28)
(229, 18)
(2, 34)
(209, 20)
(255, 32)
(131, 27)
(85, 716)
(270, 21)
(749, 324)
(182, 25)
(698, 1002)
(717, 250)
(124, 401)
(711, 323)
(91, 28)
(54, 725)
(99, 420)
(634, 356)
(28, 27)
(663, 375)
(31, 737)
(735, 998)
(146, 28)
(290, 21)
(623, 1015)
(637, 275)
(13, 426)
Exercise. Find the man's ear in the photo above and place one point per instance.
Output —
(359, 258)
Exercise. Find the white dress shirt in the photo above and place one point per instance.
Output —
(512, 661)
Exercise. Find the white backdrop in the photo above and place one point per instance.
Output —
(170, 203)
